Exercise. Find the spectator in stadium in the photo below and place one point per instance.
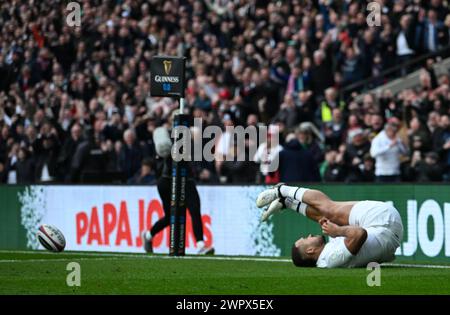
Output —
(439, 7)
(202, 101)
(334, 130)
(351, 64)
(68, 150)
(297, 163)
(113, 130)
(432, 32)
(419, 138)
(333, 169)
(24, 167)
(367, 171)
(354, 155)
(321, 76)
(426, 169)
(11, 164)
(443, 145)
(433, 126)
(310, 137)
(331, 101)
(145, 175)
(130, 155)
(238, 168)
(89, 162)
(375, 124)
(3, 174)
(46, 150)
(4, 136)
(353, 124)
(306, 106)
(267, 156)
(386, 149)
(224, 148)
(405, 41)
(288, 112)
(296, 81)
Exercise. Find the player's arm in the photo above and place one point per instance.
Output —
(163, 143)
(355, 236)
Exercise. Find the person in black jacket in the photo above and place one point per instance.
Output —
(354, 156)
(89, 160)
(68, 150)
(431, 32)
(24, 167)
(145, 176)
(239, 169)
(334, 168)
(406, 42)
(297, 163)
(130, 156)
(426, 169)
(3, 173)
(46, 150)
(321, 74)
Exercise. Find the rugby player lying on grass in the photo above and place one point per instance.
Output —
(360, 231)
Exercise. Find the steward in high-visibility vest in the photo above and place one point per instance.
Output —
(326, 110)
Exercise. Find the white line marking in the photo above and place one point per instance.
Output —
(416, 266)
(53, 260)
(104, 256)
(143, 256)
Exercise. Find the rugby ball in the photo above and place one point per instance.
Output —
(51, 238)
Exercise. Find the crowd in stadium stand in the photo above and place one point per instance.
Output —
(75, 103)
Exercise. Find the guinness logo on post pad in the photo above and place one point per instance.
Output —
(167, 66)
(167, 76)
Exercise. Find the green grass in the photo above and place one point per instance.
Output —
(45, 273)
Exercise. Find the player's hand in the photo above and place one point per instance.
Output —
(322, 220)
(329, 228)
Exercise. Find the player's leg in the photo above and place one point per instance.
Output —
(337, 212)
(289, 203)
(194, 206)
(164, 189)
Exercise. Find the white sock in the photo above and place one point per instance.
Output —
(200, 244)
(148, 235)
(293, 204)
(293, 192)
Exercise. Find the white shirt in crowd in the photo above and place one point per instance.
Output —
(431, 37)
(267, 158)
(12, 175)
(224, 144)
(403, 48)
(387, 158)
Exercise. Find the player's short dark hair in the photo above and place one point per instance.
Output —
(299, 260)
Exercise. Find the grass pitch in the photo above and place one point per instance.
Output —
(101, 273)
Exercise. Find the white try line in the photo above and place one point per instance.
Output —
(416, 266)
(141, 256)
(56, 259)
(108, 256)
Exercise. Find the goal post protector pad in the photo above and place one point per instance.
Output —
(178, 194)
